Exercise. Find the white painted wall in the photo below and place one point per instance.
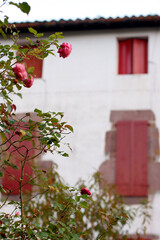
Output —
(86, 87)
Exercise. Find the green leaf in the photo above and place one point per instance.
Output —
(1, 174)
(29, 134)
(52, 37)
(1, 189)
(61, 223)
(19, 58)
(33, 143)
(30, 70)
(15, 47)
(11, 202)
(19, 95)
(32, 182)
(6, 20)
(84, 196)
(32, 30)
(65, 155)
(83, 204)
(54, 120)
(78, 198)
(61, 230)
(18, 87)
(30, 41)
(24, 6)
(3, 34)
(3, 136)
(10, 164)
(39, 35)
(69, 127)
(58, 205)
(37, 111)
(44, 235)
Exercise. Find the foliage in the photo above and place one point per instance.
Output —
(102, 216)
(53, 210)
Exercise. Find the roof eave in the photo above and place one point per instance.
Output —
(95, 24)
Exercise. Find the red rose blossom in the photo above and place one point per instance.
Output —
(29, 82)
(85, 191)
(65, 49)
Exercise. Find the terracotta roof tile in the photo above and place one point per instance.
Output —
(93, 24)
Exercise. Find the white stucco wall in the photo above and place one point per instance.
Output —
(86, 87)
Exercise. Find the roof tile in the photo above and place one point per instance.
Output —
(93, 24)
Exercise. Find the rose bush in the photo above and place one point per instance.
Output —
(102, 216)
(52, 210)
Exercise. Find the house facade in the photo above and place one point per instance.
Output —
(109, 91)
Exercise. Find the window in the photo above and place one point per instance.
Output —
(12, 176)
(132, 158)
(132, 147)
(32, 61)
(16, 152)
(133, 56)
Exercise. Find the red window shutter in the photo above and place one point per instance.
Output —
(123, 158)
(140, 52)
(36, 63)
(131, 158)
(125, 56)
(12, 176)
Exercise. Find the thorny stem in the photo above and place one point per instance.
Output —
(64, 210)
(21, 185)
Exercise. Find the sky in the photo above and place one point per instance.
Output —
(48, 10)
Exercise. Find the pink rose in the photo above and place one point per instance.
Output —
(20, 71)
(17, 213)
(65, 49)
(85, 191)
(29, 82)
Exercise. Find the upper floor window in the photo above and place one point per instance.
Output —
(32, 61)
(133, 56)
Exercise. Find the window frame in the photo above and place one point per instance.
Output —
(132, 52)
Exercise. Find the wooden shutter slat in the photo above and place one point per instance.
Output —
(139, 168)
(123, 157)
(125, 56)
(140, 52)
